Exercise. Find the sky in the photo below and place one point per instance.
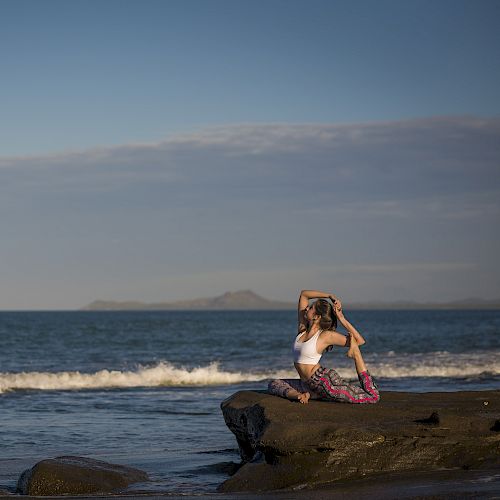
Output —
(165, 150)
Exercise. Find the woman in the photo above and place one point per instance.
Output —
(317, 324)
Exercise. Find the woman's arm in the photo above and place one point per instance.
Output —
(316, 294)
(306, 295)
(303, 303)
(348, 326)
(359, 338)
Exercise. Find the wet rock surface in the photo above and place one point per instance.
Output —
(285, 444)
(71, 475)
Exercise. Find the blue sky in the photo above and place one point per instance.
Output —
(162, 150)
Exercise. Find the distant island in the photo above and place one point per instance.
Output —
(248, 300)
(242, 299)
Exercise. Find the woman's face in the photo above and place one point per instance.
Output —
(310, 312)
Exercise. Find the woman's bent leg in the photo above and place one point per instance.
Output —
(287, 388)
(328, 383)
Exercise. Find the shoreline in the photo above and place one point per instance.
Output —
(443, 483)
(446, 479)
(478, 477)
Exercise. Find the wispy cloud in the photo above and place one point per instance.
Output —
(388, 161)
(443, 206)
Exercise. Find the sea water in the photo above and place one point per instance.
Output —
(144, 388)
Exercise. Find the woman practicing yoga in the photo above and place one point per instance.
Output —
(317, 334)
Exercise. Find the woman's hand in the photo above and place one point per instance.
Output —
(337, 305)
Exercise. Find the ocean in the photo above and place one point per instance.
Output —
(144, 388)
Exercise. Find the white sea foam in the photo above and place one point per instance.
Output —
(438, 364)
(162, 374)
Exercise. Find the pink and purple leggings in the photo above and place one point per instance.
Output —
(327, 385)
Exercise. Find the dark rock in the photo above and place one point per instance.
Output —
(75, 476)
(313, 444)
(432, 420)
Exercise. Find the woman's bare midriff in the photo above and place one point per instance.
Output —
(306, 371)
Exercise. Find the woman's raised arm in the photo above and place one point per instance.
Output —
(340, 316)
(316, 294)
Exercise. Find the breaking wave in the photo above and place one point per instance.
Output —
(165, 374)
(436, 364)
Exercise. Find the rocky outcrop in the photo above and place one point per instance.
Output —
(76, 476)
(284, 444)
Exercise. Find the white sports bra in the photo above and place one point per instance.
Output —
(305, 352)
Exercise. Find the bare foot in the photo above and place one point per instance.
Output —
(304, 398)
(353, 347)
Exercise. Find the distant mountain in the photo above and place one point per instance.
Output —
(243, 299)
(246, 299)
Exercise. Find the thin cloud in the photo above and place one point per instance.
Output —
(371, 160)
(464, 207)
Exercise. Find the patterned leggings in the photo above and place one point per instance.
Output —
(327, 385)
